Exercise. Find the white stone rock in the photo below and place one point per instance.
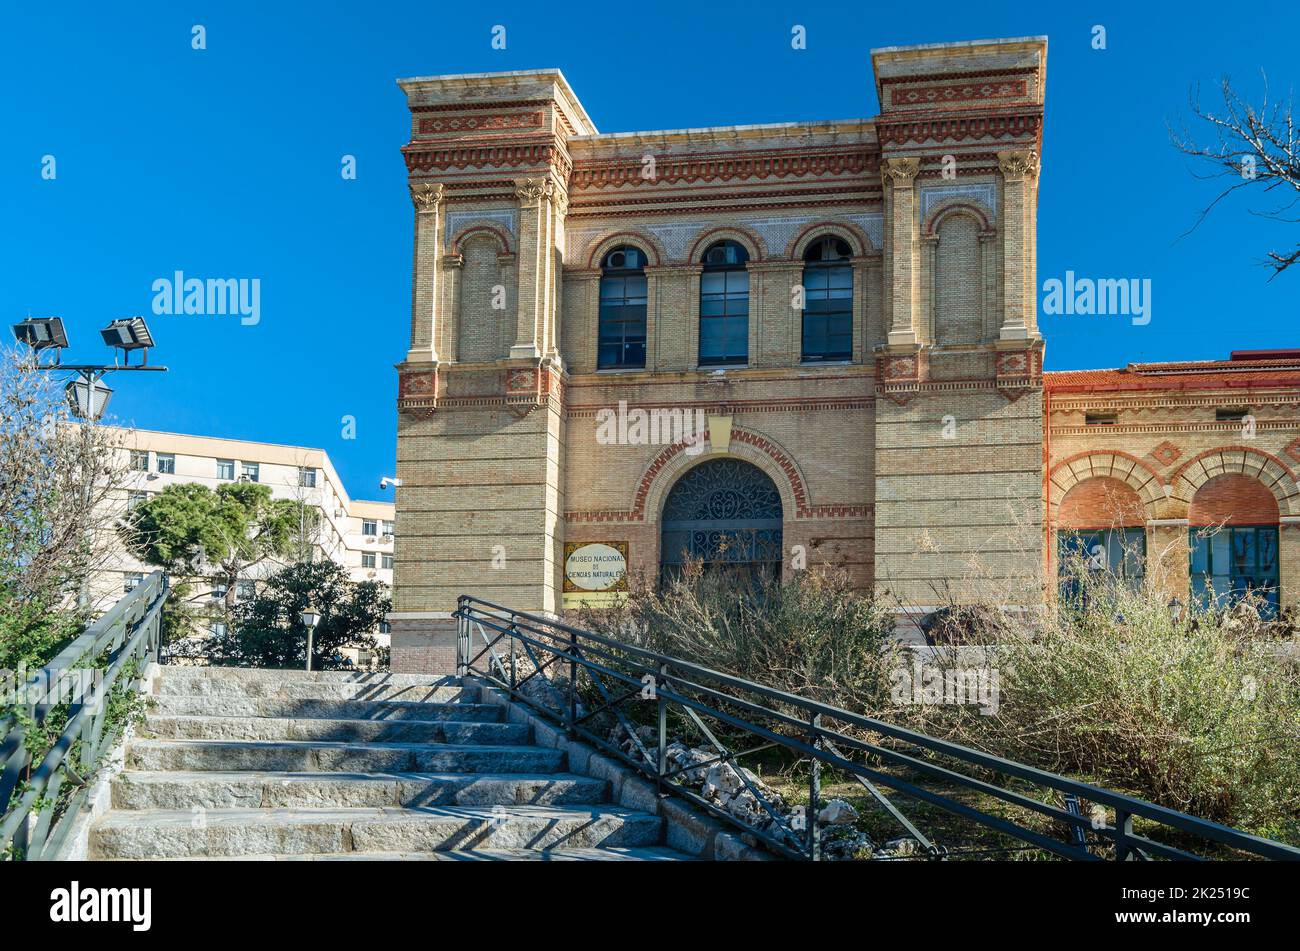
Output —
(837, 812)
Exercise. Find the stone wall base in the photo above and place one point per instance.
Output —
(423, 645)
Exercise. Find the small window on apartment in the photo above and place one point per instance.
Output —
(139, 460)
(385, 627)
(217, 628)
(1100, 419)
(306, 478)
(246, 591)
(226, 469)
(131, 580)
(368, 559)
(135, 498)
(1231, 414)
(369, 526)
(219, 590)
(165, 462)
(249, 471)
(387, 561)
(389, 528)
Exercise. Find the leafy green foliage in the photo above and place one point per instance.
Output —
(188, 526)
(267, 630)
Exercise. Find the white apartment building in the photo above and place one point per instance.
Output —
(354, 533)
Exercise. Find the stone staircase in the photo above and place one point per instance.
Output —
(256, 764)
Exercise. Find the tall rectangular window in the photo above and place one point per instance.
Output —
(724, 306)
(828, 302)
(226, 469)
(389, 528)
(368, 559)
(623, 297)
(369, 526)
(387, 561)
(307, 478)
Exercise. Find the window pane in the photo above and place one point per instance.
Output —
(1200, 553)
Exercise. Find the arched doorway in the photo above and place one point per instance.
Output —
(1233, 541)
(723, 512)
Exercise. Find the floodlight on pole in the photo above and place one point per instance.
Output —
(127, 334)
(42, 333)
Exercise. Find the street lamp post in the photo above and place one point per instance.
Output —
(309, 619)
(87, 395)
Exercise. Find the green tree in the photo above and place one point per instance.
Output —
(197, 533)
(267, 631)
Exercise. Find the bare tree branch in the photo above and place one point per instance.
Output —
(1257, 145)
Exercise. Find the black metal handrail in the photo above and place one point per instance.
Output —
(119, 645)
(824, 735)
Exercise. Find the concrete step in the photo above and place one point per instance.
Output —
(648, 853)
(323, 756)
(173, 833)
(239, 706)
(279, 790)
(299, 685)
(349, 731)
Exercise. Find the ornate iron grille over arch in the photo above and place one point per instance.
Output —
(723, 511)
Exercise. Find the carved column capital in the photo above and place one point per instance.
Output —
(426, 196)
(1018, 166)
(531, 191)
(900, 171)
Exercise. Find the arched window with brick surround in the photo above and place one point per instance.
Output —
(622, 332)
(724, 306)
(1101, 529)
(828, 301)
(1233, 541)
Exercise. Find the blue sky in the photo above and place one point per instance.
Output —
(225, 162)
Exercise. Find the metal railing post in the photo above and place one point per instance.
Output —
(815, 791)
(1123, 831)
(513, 677)
(573, 685)
(462, 638)
(663, 728)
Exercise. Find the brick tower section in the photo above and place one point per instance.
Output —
(959, 410)
(481, 427)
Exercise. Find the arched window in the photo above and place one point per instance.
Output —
(1100, 535)
(1233, 542)
(828, 301)
(723, 512)
(724, 306)
(622, 309)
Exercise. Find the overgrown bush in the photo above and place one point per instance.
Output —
(812, 635)
(1191, 708)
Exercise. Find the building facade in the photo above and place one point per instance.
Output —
(792, 345)
(356, 534)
